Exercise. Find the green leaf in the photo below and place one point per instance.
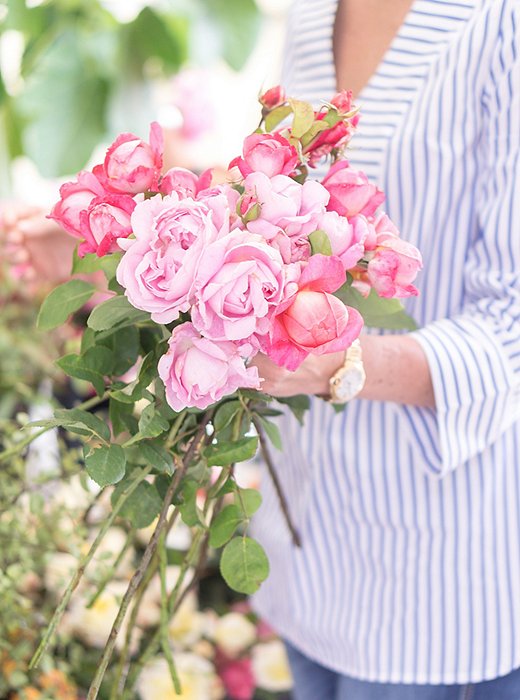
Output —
(124, 347)
(248, 500)
(272, 432)
(320, 243)
(151, 423)
(86, 265)
(276, 116)
(76, 420)
(224, 525)
(121, 417)
(230, 452)
(116, 311)
(188, 506)
(142, 507)
(244, 565)
(235, 25)
(62, 302)
(376, 311)
(298, 404)
(154, 35)
(72, 366)
(63, 105)
(225, 414)
(106, 465)
(157, 456)
(303, 117)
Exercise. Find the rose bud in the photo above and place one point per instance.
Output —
(272, 98)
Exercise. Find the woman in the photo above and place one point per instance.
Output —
(408, 502)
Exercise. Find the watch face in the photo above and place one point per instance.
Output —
(348, 384)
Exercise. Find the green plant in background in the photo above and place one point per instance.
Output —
(80, 66)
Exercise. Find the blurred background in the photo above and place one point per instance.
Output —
(73, 74)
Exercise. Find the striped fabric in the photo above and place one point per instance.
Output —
(410, 518)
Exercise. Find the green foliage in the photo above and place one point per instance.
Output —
(62, 302)
(376, 311)
(320, 243)
(116, 311)
(224, 453)
(244, 565)
(106, 464)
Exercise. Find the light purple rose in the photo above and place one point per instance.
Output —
(346, 237)
(239, 284)
(159, 266)
(197, 372)
(285, 205)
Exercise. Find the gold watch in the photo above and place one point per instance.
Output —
(350, 378)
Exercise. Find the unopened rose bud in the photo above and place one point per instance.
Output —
(274, 97)
(342, 101)
(248, 208)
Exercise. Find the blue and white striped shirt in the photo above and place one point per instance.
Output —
(410, 518)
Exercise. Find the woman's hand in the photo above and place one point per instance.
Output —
(312, 377)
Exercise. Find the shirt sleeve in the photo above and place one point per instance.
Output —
(474, 357)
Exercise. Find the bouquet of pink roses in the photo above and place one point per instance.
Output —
(203, 277)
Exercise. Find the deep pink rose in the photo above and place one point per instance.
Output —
(393, 268)
(284, 205)
(159, 266)
(132, 165)
(346, 237)
(270, 154)
(342, 101)
(313, 320)
(238, 679)
(184, 182)
(197, 372)
(350, 191)
(239, 284)
(272, 98)
(106, 219)
(75, 197)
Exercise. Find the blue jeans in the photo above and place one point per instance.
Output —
(315, 682)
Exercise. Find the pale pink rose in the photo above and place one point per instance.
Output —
(313, 321)
(393, 268)
(75, 197)
(272, 98)
(197, 372)
(159, 266)
(222, 201)
(378, 229)
(132, 165)
(346, 237)
(106, 219)
(350, 191)
(239, 284)
(271, 154)
(184, 182)
(285, 205)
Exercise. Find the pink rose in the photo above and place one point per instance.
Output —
(342, 101)
(285, 205)
(132, 165)
(393, 268)
(197, 372)
(74, 198)
(106, 219)
(239, 284)
(379, 229)
(350, 191)
(313, 320)
(222, 201)
(238, 679)
(270, 154)
(346, 237)
(159, 266)
(272, 98)
(184, 182)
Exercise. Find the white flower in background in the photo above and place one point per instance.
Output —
(233, 633)
(109, 549)
(72, 495)
(179, 536)
(197, 676)
(93, 625)
(59, 570)
(270, 666)
(187, 625)
(150, 608)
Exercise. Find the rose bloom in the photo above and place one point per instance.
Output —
(346, 237)
(239, 283)
(106, 219)
(187, 625)
(270, 154)
(284, 205)
(313, 321)
(159, 266)
(271, 667)
(197, 372)
(74, 198)
(393, 268)
(132, 165)
(233, 633)
(197, 677)
(350, 191)
(238, 679)
(184, 182)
